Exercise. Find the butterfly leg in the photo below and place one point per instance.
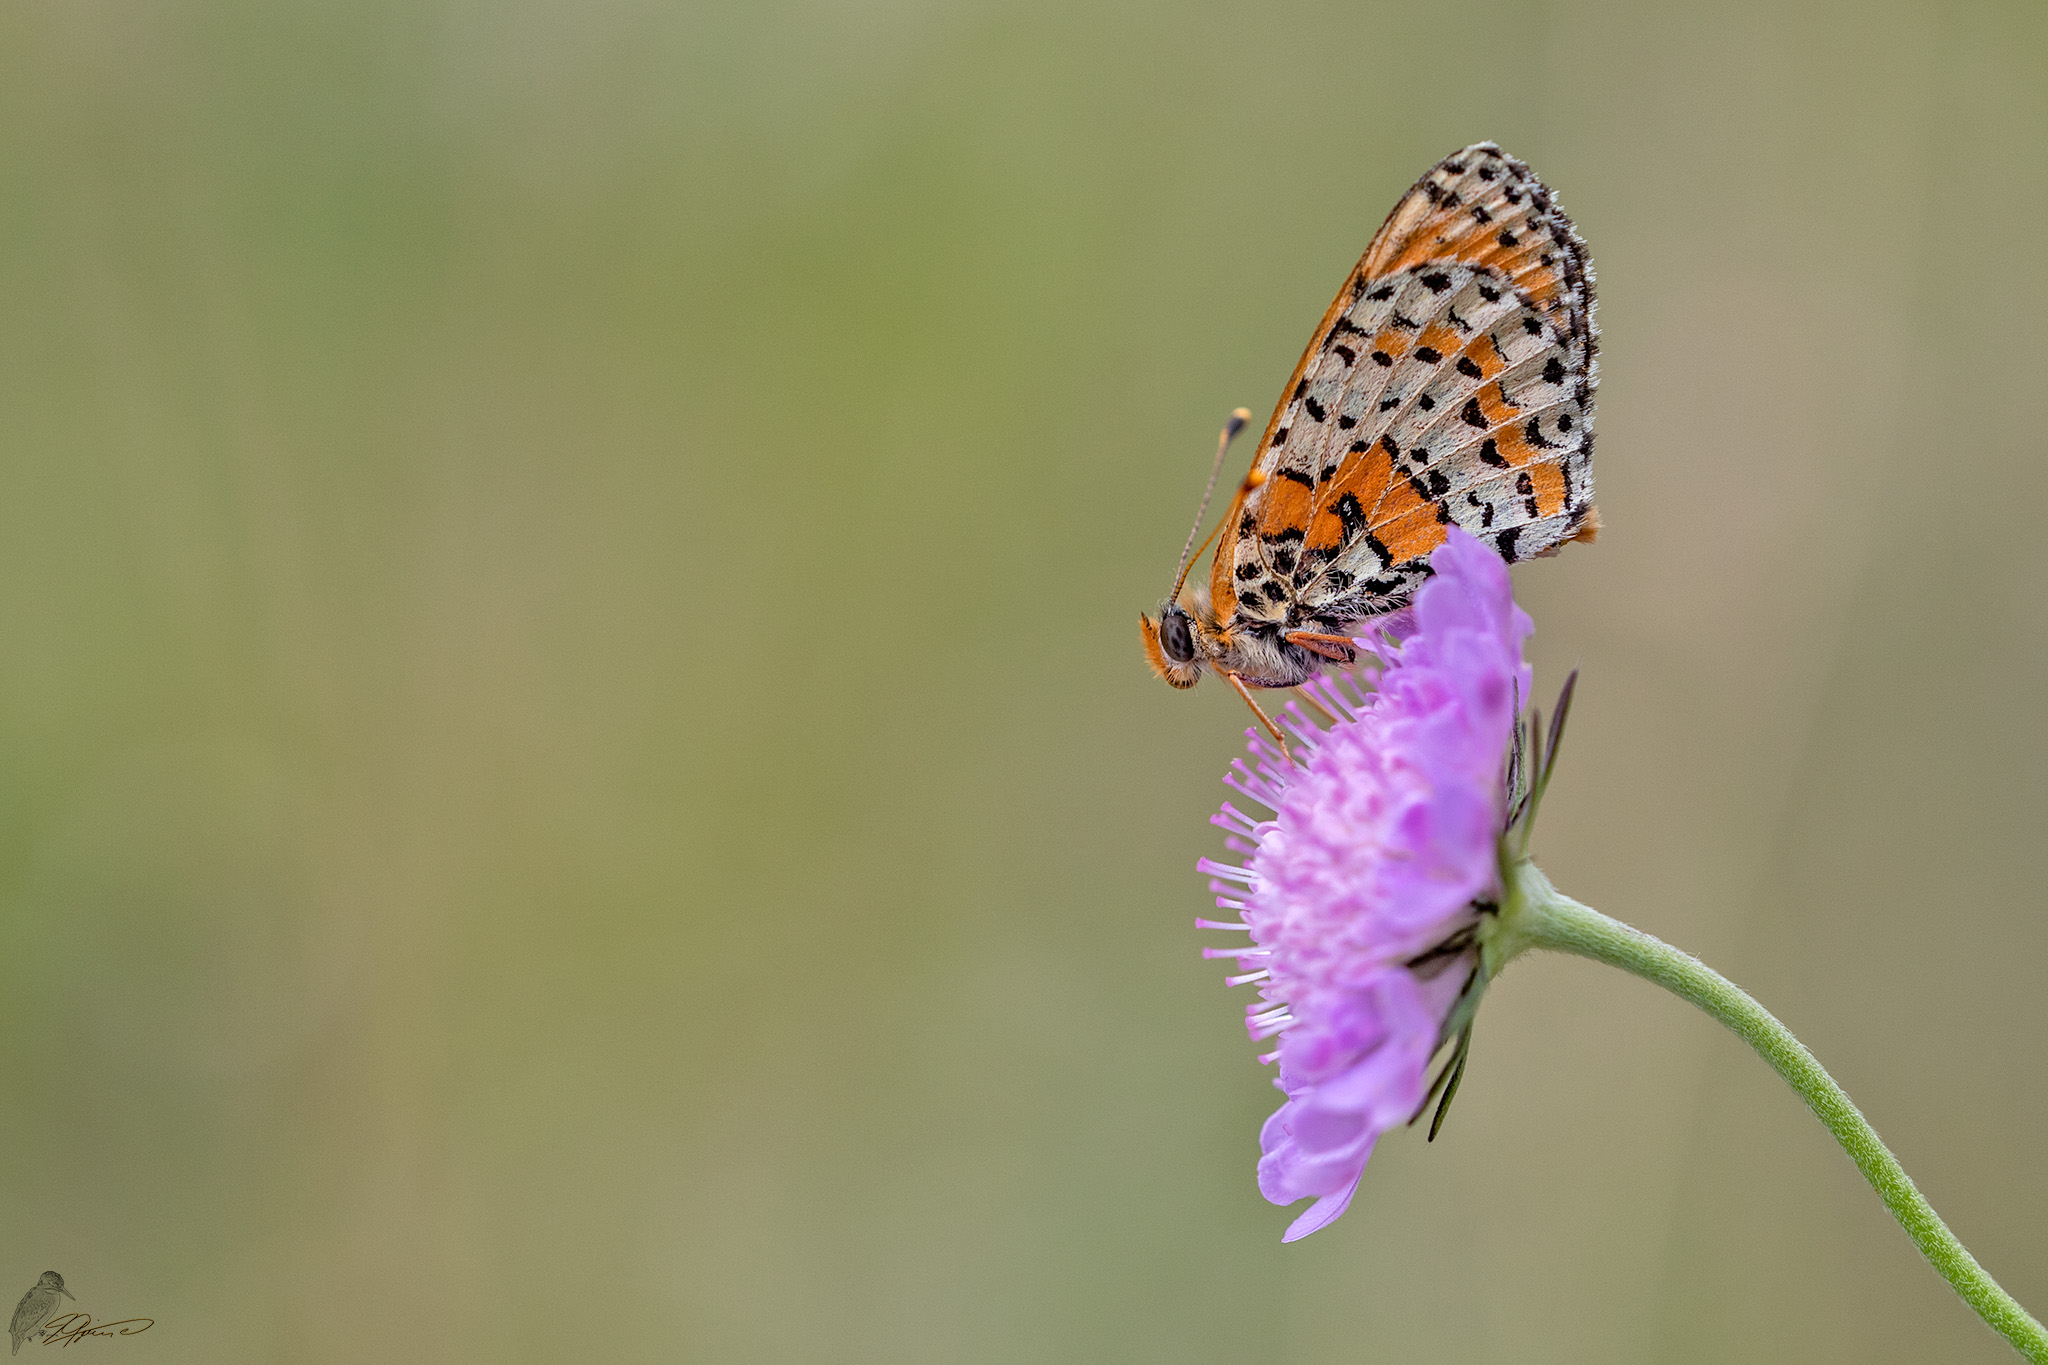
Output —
(1325, 712)
(1338, 649)
(1264, 719)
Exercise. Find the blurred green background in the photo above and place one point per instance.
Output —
(576, 780)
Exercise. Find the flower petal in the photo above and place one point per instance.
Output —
(1322, 1213)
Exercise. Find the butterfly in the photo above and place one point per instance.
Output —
(1450, 383)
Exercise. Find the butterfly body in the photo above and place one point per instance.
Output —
(1256, 651)
(1450, 382)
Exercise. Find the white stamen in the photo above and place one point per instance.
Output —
(1236, 821)
(1243, 780)
(1228, 872)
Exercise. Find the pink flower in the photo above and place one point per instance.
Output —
(1363, 893)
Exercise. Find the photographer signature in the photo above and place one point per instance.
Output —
(73, 1328)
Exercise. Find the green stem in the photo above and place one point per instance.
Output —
(1535, 915)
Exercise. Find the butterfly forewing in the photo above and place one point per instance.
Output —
(1451, 381)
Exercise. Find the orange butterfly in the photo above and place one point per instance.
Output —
(1450, 382)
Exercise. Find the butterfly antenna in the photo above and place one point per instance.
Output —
(1230, 429)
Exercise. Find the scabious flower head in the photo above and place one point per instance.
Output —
(1363, 892)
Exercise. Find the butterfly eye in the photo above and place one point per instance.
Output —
(1176, 636)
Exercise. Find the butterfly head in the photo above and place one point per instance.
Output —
(1173, 645)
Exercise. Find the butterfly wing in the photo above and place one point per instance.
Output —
(1450, 382)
